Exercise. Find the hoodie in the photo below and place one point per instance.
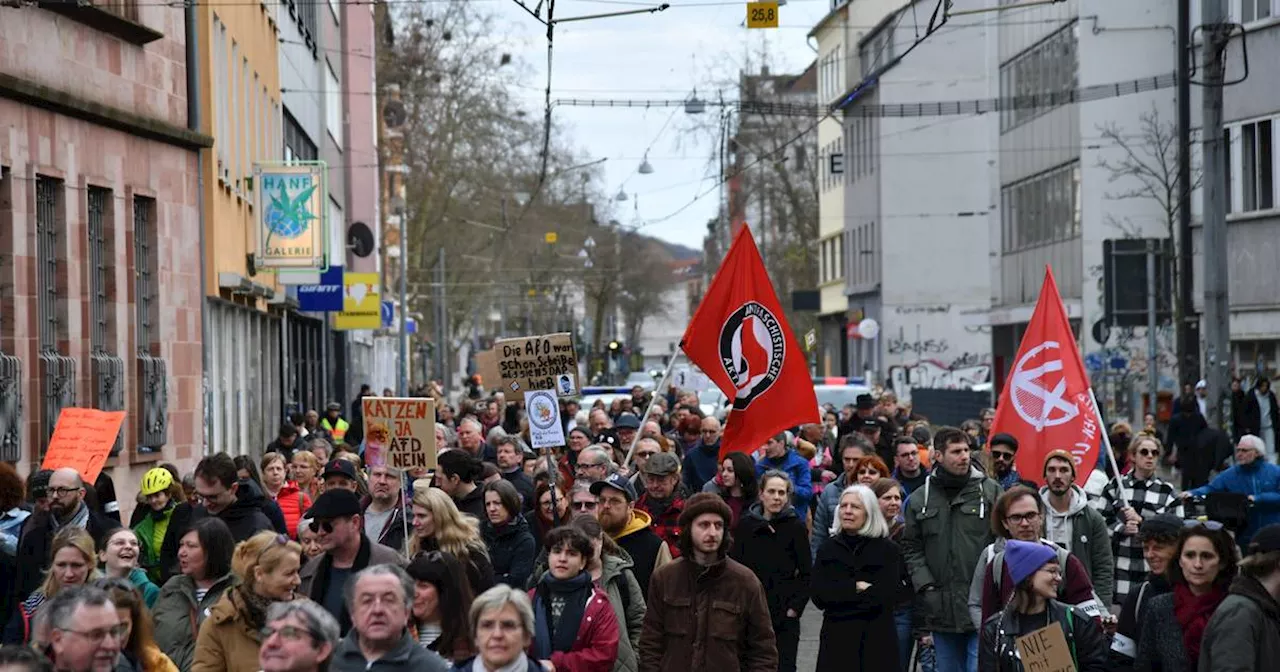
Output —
(701, 463)
(777, 551)
(1082, 530)
(245, 517)
(647, 550)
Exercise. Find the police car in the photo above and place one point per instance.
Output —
(839, 391)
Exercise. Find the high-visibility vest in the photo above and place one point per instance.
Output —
(339, 433)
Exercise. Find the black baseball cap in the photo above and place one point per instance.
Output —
(1003, 439)
(870, 423)
(340, 468)
(1266, 540)
(1160, 525)
(617, 482)
(865, 402)
(336, 503)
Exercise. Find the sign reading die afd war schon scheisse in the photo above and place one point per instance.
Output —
(400, 432)
(537, 363)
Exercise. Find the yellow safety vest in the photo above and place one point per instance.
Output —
(339, 433)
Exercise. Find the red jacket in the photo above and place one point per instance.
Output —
(595, 649)
(293, 503)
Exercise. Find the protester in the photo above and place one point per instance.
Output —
(309, 540)
(67, 508)
(138, 651)
(119, 557)
(441, 600)
(907, 470)
(238, 503)
(204, 563)
(503, 622)
(438, 525)
(72, 562)
(267, 567)
(1145, 495)
(702, 461)
(23, 659)
(611, 571)
(299, 636)
(384, 519)
(1074, 525)
(575, 628)
(85, 632)
(293, 502)
(779, 455)
(510, 459)
(1158, 536)
(630, 528)
(459, 472)
(736, 484)
(857, 583)
(889, 497)
(662, 499)
(1252, 476)
(159, 490)
(1244, 632)
(551, 511)
(305, 469)
(380, 601)
(869, 470)
(646, 447)
(946, 530)
(1004, 455)
(1033, 568)
(1173, 624)
(506, 534)
(686, 593)
(347, 550)
(852, 448)
(578, 438)
(772, 541)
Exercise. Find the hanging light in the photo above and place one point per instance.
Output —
(621, 197)
(645, 168)
(695, 105)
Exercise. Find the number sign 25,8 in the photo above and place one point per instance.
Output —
(762, 15)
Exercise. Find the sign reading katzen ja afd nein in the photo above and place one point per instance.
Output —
(400, 432)
(291, 203)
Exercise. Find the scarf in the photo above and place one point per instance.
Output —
(1193, 612)
(78, 519)
(550, 636)
(254, 607)
(951, 484)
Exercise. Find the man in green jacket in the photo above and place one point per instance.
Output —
(947, 528)
(1074, 525)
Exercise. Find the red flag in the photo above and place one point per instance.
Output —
(1045, 401)
(741, 341)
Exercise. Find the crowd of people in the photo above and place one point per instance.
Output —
(639, 547)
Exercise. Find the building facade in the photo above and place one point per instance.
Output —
(832, 36)
(99, 232)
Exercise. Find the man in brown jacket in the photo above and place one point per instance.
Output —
(706, 612)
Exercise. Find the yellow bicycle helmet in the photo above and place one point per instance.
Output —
(156, 480)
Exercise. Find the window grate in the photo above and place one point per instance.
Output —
(58, 371)
(11, 378)
(99, 202)
(144, 280)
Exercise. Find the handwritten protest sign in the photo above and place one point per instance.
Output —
(487, 368)
(1045, 650)
(545, 430)
(82, 440)
(537, 363)
(400, 432)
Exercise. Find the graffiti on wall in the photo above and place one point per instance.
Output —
(930, 346)
(935, 375)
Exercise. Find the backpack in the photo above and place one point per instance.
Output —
(621, 580)
(1093, 607)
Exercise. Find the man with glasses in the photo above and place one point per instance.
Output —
(299, 637)
(85, 632)
(383, 512)
(646, 448)
(629, 527)
(339, 527)
(1004, 453)
(1251, 476)
(663, 499)
(593, 465)
(702, 462)
(1019, 515)
(67, 508)
(906, 464)
(581, 500)
(1145, 495)
(380, 599)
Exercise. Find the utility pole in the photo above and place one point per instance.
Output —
(1216, 32)
(442, 346)
(1153, 371)
(403, 389)
(1188, 329)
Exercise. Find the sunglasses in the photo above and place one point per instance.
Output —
(1148, 452)
(317, 525)
(1003, 456)
(584, 506)
(1211, 525)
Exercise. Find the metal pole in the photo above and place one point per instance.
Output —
(444, 327)
(1188, 340)
(1153, 373)
(1217, 348)
(666, 375)
(403, 389)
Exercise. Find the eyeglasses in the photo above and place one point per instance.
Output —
(1148, 452)
(1211, 525)
(584, 506)
(58, 492)
(588, 465)
(326, 525)
(1002, 455)
(116, 632)
(290, 632)
(1019, 518)
(646, 453)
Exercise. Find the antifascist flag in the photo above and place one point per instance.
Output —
(1045, 401)
(741, 341)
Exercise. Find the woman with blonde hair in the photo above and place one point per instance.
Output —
(293, 502)
(138, 648)
(267, 564)
(73, 562)
(438, 525)
(305, 471)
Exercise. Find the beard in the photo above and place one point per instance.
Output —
(613, 524)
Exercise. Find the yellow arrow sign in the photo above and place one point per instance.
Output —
(762, 15)
(551, 237)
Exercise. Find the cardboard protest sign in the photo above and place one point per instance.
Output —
(400, 432)
(82, 440)
(537, 363)
(487, 368)
(1046, 650)
(545, 430)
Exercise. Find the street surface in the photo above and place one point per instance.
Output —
(810, 627)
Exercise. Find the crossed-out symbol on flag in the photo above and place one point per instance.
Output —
(1035, 404)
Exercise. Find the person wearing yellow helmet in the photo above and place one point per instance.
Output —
(157, 490)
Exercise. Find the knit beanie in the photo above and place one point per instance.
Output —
(1024, 558)
(704, 502)
(1063, 455)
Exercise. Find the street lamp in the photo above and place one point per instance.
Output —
(645, 168)
(621, 197)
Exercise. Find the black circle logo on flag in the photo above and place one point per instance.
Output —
(752, 349)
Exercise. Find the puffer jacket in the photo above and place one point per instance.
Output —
(152, 530)
(777, 551)
(511, 550)
(617, 580)
(178, 616)
(941, 544)
(1090, 539)
(998, 651)
(1244, 633)
(293, 502)
(229, 639)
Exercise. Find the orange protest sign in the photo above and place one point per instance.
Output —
(82, 440)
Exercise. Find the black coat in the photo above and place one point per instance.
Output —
(472, 504)
(997, 651)
(858, 630)
(36, 543)
(511, 550)
(245, 517)
(1211, 450)
(644, 545)
(523, 485)
(1252, 420)
(778, 552)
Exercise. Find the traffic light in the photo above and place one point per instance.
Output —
(614, 346)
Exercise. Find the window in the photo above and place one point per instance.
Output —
(250, 118)
(1041, 209)
(1039, 79)
(297, 146)
(333, 7)
(48, 221)
(1251, 150)
(1251, 10)
(222, 115)
(144, 232)
(876, 51)
(333, 105)
(233, 127)
(100, 256)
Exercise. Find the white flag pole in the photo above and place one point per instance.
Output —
(666, 375)
(1106, 445)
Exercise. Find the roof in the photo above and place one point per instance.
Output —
(841, 9)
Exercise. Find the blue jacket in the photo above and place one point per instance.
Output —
(701, 464)
(828, 502)
(801, 478)
(1260, 479)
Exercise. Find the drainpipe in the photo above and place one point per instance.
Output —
(195, 123)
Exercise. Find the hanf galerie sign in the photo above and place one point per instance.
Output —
(537, 363)
(82, 440)
(1046, 650)
(400, 432)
